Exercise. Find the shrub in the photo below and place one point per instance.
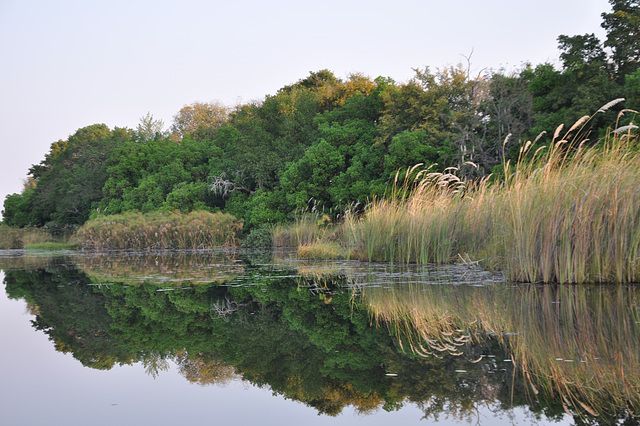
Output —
(258, 237)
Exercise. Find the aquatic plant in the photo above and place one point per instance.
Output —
(320, 250)
(158, 230)
(565, 213)
(18, 238)
(165, 268)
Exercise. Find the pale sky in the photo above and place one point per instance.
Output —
(69, 64)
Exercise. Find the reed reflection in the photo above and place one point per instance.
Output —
(579, 345)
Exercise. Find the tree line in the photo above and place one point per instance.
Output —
(327, 142)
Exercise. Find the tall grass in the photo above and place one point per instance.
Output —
(574, 218)
(565, 213)
(19, 238)
(157, 230)
(308, 227)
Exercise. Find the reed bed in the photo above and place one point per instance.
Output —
(320, 250)
(574, 217)
(429, 218)
(307, 228)
(564, 213)
(19, 238)
(157, 230)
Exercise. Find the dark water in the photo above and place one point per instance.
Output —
(254, 337)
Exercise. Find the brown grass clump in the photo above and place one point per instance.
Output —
(19, 238)
(156, 230)
(320, 250)
(307, 228)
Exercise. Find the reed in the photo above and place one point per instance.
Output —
(307, 228)
(157, 230)
(428, 218)
(565, 213)
(321, 250)
(19, 238)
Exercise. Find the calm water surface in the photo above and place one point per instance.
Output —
(254, 337)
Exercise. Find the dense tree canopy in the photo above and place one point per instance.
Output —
(324, 141)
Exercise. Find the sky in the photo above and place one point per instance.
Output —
(69, 64)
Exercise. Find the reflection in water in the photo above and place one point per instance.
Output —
(576, 345)
(337, 334)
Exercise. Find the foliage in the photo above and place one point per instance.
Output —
(199, 119)
(332, 142)
(68, 181)
(559, 216)
(258, 237)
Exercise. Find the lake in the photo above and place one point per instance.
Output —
(260, 337)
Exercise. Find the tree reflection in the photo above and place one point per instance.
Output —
(343, 339)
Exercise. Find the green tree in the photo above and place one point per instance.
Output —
(203, 118)
(311, 177)
(149, 128)
(623, 35)
(69, 180)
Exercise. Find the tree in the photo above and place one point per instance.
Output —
(199, 117)
(581, 51)
(148, 128)
(508, 110)
(311, 177)
(623, 35)
(68, 181)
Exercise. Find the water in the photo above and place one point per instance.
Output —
(230, 337)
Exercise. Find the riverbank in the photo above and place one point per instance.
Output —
(564, 213)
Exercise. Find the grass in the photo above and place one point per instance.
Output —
(565, 213)
(308, 227)
(158, 230)
(19, 238)
(50, 245)
(321, 250)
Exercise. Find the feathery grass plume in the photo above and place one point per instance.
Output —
(625, 128)
(621, 114)
(608, 105)
(557, 132)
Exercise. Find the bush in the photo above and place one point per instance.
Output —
(258, 237)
